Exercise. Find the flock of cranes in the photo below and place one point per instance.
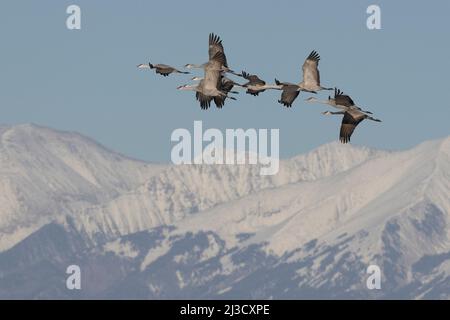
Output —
(216, 87)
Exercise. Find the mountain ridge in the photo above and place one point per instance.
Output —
(28, 149)
(44, 172)
(202, 231)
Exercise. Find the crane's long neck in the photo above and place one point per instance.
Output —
(329, 102)
(193, 87)
(189, 87)
(272, 86)
(195, 66)
(146, 66)
(337, 112)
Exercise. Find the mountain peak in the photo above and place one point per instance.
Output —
(45, 173)
(27, 128)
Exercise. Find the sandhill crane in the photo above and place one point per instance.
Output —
(255, 85)
(214, 46)
(205, 99)
(213, 86)
(213, 74)
(162, 69)
(311, 74)
(352, 117)
(340, 101)
(210, 87)
(289, 94)
(225, 85)
(214, 83)
(310, 83)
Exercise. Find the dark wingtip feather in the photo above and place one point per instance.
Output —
(338, 92)
(214, 39)
(314, 56)
(284, 103)
(344, 140)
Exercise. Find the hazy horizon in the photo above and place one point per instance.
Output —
(170, 162)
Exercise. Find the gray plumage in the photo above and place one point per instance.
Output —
(351, 119)
(162, 69)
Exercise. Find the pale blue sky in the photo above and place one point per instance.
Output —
(87, 80)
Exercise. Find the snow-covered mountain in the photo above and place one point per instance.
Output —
(45, 174)
(182, 191)
(147, 231)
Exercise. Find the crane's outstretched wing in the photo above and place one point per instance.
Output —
(164, 70)
(311, 76)
(225, 85)
(348, 125)
(289, 93)
(205, 101)
(215, 46)
(253, 79)
(288, 96)
(341, 99)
